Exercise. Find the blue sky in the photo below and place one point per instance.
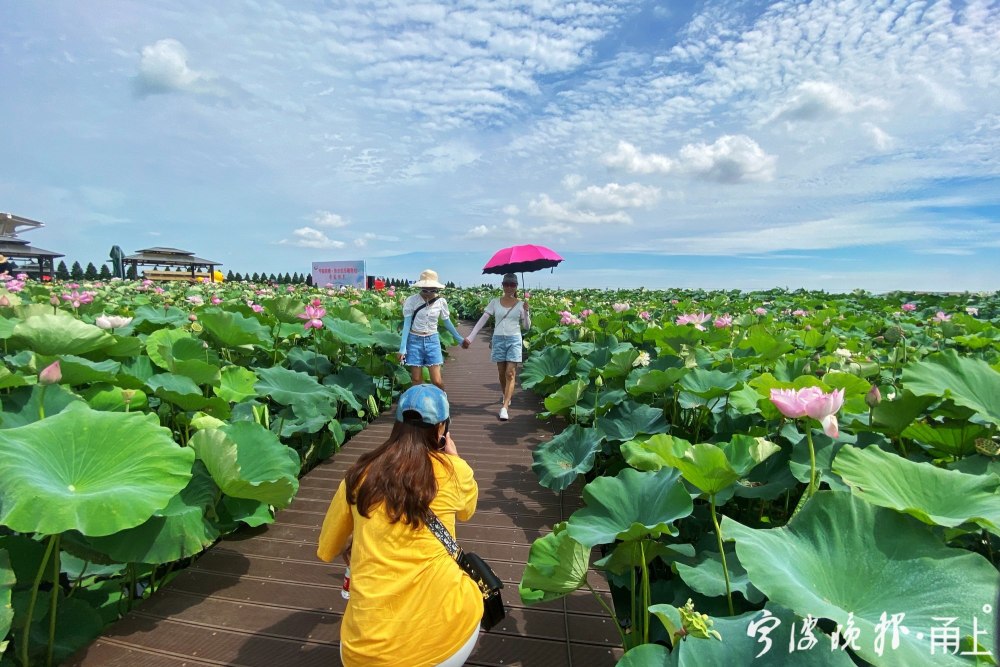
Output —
(831, 144)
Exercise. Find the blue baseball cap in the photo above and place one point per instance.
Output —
(430, 402)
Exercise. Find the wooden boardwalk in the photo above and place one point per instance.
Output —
(261, 598)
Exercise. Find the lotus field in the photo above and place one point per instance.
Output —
(768, 478)
(775, 478)
(141, 424)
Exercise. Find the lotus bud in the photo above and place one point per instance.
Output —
(54, 300)
(4, 301)
(873, 397)
(128, 395)
(192, 317)
(51, 374)
(599, 381)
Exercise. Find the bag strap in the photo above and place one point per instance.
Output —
(509, 311)
(444, 537)
(424, 305)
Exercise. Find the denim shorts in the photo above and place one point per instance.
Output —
(506, 348)
(423, 350)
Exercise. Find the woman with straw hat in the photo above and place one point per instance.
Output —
(421, 345)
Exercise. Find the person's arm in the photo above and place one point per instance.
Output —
(525, 316)
(454, 332)
(468, 491)
(479, 326)
(407, 323)
(338, 526)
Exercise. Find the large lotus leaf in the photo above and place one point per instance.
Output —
(284, 308)
(561, 459)
(893, 417)
(21, 405)
(109, 397)
(157, 318)
(387, 340)
(9, 380)
(628, 555)
(6, 586)
(745, 452)
(348, 313)
(124, 347)
(760, 645)
(630, 419)
(248, 461)
(287, 387)
(236, 384)
(709, 383)
(566, 397)
(705, 466)
(654, 381)
(955, 439)
(77, 624)
(646, 655)
(60, 334)
(180, 530)
(308, 361)
(184, 393)
(77, 370)
(652, 453)
(933, 495)
(966, 381)
(243, 510)
(343, 394)
(546, 365)
(136, 371)
(705, 576)
(620, 363)
(91, 471)
(825, 448)
(354, 379)
(235, 329)
(557, 565)
(349, 332)
(25, 554)
(630, 506)
(841, 555)
(181, 353)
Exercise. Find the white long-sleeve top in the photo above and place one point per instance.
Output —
(507, 321)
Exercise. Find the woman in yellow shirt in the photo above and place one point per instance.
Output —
(410, 603)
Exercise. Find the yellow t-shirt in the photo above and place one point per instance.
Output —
(410, 603)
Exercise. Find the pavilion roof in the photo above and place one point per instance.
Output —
(168, 256)
(9, 224)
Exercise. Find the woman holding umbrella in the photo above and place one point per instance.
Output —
(509, 314)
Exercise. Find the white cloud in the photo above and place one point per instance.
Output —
(880, 138)
(632, 160)
(821, 100)
(163, 68)
(544, 207)
(328, 219)
(477, 232)
(614, 195)
(307, 237)
(731, 159)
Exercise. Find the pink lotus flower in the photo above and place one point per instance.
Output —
(391, 292)
(527, 296)
(760, 311)
(811, 402)
(313, 317)
(77, 299)
(216, 301)
(972, 310)
(674, 302)
(644, 315)
(798, 312)
(316, 303)
(941, 316)
(620, 307)
(909, 307)
(4, 301)
(257, 308)
(51, 374)
(586, 312)
(723, 321)
(697, 319)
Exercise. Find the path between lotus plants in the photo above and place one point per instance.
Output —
(260, 598)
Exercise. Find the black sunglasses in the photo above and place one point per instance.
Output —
(509, 284)
(430, 290)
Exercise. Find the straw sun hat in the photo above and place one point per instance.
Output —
(428, 278)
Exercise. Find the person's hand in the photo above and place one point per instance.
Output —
(526, 307)
(346, 554)
(449, 445)
(466, 343)
(401, 356)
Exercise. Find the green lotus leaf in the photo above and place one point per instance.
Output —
(841, 556)
(557, 565)
(109, 398)
(60, 334)
(956, 439)
(966, 381)
(184, 393)
(234, 329)
(566, 397)
(285, 309)
(387, 340)
(236, 384)
(628, 555)
(25, 554)
(343, 394)
(629, 419)
(359, 383)
(86, 470)
(620, 363)
(646, 655)
(651, 453)
(124, 347)
(631, 506)
(180, 530)
(77, 624)
(309, 362)
(9, 380)
(248, 461)
(559, 461)
(705, 576)
(706, 467)
(349, 332)
(654, 381)
(744, 643)
(135, 372)
(934, 495)
(76, 568)
(893, 417)
(709, 383)
(77, 370)
(545, 366)
(288, 387)
(181, 353)
(243, 510)
(21, 405)
(6, 587)
(152, 318)
(348, 313)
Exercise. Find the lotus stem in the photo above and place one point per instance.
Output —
(722, 553)
(25, 638)
(610, 612)
(53, 599)
(811, 487)
(645, 592)
(635, 596)
(41, 402)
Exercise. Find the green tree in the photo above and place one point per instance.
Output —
(62, 273)
(309, 279)
(239, 277)
(255, 277)
(90, 273)
(76, 271)
(130, 272)
(230, 277)
(296, 279)
(104, 273)
(272, 278)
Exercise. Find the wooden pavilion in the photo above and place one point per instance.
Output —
(36, 262)
(188, 266)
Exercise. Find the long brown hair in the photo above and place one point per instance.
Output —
(399, 473)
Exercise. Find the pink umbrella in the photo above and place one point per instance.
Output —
(521, 258)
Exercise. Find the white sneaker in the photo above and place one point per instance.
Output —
(503, 414)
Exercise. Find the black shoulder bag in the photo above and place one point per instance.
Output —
(478, 570)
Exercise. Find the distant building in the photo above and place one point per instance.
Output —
(36, 262)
